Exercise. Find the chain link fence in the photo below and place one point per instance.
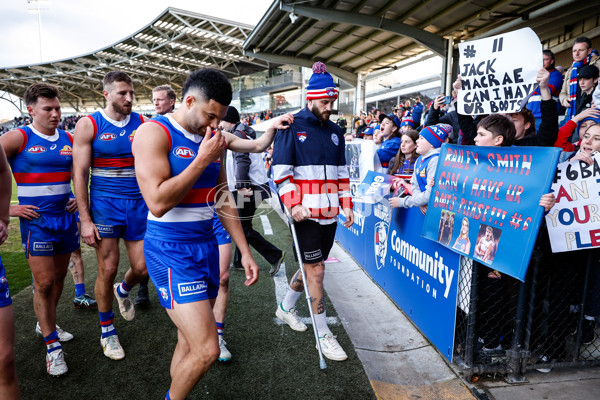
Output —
(508, 327)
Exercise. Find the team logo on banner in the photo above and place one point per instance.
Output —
(381, 232)
(301, 136)
(335, 139)
(184, 152)
(36, 149)
(107, 137)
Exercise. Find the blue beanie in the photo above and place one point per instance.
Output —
(320, 84)
(435, 135)
(407, 121)
(596, 120)
(368, 130)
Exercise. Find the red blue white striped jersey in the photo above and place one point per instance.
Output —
(113, 174)
(42, 169)
(192, 219)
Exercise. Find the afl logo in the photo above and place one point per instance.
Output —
(107, 137)
(36, 149)
(184, 152)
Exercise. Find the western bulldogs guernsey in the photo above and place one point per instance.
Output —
(192, 219)
(113, 174)
(42, 170)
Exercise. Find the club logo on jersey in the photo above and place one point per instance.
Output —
(191, 288)
(335, 139)
(184, 152)
(53, 147)
(66, 151)
(36, 149)
(164, 293)
(3, 280)
(42, 246)
(301, 136)
(107, 136)
(131, 136)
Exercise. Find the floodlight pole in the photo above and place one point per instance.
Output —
(35, 7)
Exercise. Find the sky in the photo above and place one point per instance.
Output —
(74, 27)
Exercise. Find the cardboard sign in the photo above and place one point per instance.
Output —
(574, 222)
(498, 73)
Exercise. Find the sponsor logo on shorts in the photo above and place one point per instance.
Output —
(164, 293)
(105, 228)
(36, 149)
(184, 152)
(191, 288)
(312, 255)
(107, 136)
(66, 151)
(43, 246)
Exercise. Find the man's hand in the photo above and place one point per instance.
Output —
(250, 268)
(245, 192)
(438, 102)
(566, 102)
(282, 122)
(3, 232)
(89, 234)
(211, 147)
(349, 217)
(542, 78)
(394, 202)
(423, 209)
(300, 213)
(24, 211)
(592, 112)
(457, 85)
(72, 205)
(548, 201)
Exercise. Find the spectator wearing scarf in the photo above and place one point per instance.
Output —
(583, 54)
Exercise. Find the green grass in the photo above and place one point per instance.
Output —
(269, 361)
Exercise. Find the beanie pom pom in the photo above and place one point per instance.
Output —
(319, 68)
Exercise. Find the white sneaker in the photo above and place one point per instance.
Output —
(63, 336)
(225, 354)
(112, 348)
(125, 305)
(290, 318)
(331, 348)
(55, 363)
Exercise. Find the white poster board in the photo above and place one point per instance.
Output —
(574, 222)
(498, 73)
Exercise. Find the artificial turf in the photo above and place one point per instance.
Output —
(269, 361)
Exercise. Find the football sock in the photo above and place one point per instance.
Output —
(290, 299)
(106, 323)
(123, 289)
(79, 289)
(321, 324)
(52, 343)
(220, 327)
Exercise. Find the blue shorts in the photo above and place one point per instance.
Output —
(183, 272)
(119, 218)
(220, 232)
(50, 234)
(5, 299)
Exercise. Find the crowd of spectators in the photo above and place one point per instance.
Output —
(257, 117)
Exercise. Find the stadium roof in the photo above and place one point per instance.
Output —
(163, 52)
(361, 36)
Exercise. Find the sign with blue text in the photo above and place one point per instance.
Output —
(574, 222)
(485, 203)
(499, 72)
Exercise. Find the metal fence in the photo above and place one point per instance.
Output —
(508, 327)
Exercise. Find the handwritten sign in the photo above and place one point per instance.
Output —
(574, 222)
(485, 203)
(498, 73)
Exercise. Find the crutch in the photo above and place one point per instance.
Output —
(291, 221)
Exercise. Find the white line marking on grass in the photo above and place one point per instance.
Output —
(281, 287)
(266, 225)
